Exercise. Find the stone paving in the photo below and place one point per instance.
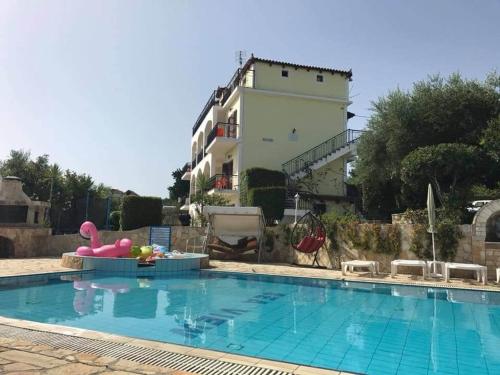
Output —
(23, 357)
(12, 267)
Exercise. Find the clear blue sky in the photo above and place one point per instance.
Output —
(112, 88)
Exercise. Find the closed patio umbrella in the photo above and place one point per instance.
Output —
(431, 212)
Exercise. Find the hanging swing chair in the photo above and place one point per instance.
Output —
(308, 236)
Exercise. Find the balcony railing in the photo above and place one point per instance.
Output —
(211, 101)
(222, 129)
(199, 157)
(223, 182)
(306, 159)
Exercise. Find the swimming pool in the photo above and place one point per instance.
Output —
(350, 326)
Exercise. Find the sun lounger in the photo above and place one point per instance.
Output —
(498, 275)
(481, 271)
(372, 265)
(408, 263)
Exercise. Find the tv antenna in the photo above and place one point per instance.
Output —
(240, 57)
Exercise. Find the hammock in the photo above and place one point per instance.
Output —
(308, 235)
(243, 245)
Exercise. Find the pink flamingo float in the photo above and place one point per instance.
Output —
(121, 248)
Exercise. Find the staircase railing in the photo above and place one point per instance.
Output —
(304, 160)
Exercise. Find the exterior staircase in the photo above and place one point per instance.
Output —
(341, 145)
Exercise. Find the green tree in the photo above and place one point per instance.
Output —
(435, 111)
(201, 198)
(48, 182)
(452, 168)
(180, 188)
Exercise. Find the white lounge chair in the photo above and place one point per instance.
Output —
(408, 263)
(498, 275)
(481, 271)
(372, 265)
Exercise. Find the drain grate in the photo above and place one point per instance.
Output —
(142, 355)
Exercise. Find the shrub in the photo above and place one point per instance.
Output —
(270, 199)
(259, 178)
(114, 220)
(138, 212)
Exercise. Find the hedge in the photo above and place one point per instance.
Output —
(270, 199)
(138, 212)
(259, 178)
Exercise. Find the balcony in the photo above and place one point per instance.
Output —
(222, 137)
(210, 103)
(199, 157)
(186, 176)
(221, 183)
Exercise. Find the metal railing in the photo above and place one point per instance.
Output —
(321, 151)
(223, 182)
(221, 95)
(211, 101)
(222, 129)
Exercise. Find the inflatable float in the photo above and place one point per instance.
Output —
(121, 248)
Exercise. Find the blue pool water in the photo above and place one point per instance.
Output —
(359, 327)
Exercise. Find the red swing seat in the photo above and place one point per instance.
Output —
(313, 240)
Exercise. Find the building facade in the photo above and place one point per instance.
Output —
(279, 116)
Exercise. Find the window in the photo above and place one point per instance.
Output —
(319, 78)
(284, 73)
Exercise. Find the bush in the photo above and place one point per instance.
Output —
(270, 199)
(138, 212)
(114, 220)
(259, 178)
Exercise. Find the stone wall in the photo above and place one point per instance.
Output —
(283, 252)
(27, 241)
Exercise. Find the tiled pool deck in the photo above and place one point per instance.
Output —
(23, 357)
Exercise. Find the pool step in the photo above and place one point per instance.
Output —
(139, 354)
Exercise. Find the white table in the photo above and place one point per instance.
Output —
(372, 265)
(481, 271)
(408, 263)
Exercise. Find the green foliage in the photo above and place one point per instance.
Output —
(333, 221)
(453, 168)
(419, 244)
(138, 212)
(48, 182)
(269, 240)
(436, 111)
(490, 139)
(201, 199)
(447, 234)
(259, 178)
(180, 188)
(447, 238)
(286, 232)
(371, 237)
(481, 192)
(114, 220)
(270, 199)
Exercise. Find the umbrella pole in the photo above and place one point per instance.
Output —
(433, 254)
